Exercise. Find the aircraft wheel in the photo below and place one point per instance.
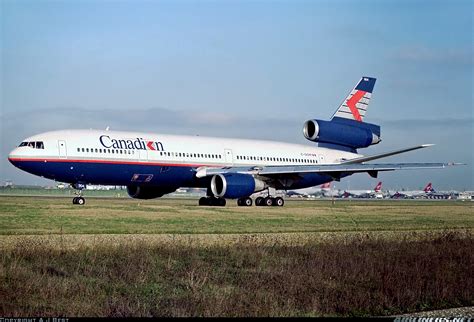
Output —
(240, 202)
(211, 201)
(203, 201)
(74, 201)
(279, 202)
(259, 201)
(80, 201)
(221, 202)
(247, 202)
(268, 201)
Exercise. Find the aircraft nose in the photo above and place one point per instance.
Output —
(12, 157)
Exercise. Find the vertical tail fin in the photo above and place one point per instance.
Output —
(378, 187)
(354, 107)
(326, 185)
(429, 188)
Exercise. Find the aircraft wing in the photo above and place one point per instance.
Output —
(384, 155)
(334, 170)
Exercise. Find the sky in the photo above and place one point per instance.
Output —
(245, 69)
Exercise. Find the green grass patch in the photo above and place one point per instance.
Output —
(50, 215)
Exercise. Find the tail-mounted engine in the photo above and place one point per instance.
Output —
(342, 132)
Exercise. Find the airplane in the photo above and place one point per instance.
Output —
(376, 193)
(414, 193)
(152, 165)
(323, 190)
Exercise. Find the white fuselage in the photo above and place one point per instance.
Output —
(173, 149)
(160, 160)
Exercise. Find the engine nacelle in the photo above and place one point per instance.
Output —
(141, 192)
(348, 133)
(235, 185)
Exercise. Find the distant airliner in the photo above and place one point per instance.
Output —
(151, 165)
(376, 193)
(415, 193)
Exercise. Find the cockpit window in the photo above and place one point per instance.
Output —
(34, 145)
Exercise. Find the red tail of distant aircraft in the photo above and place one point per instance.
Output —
(327, 185)
(378, 187)
(428, 188)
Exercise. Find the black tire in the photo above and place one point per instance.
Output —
(239, 202)
(74, 201)
(203, 201)
(268, 201)
(222, 202)
(211, 201)
(81, 201)
(279, 202)
(259, 201)
(248, 202)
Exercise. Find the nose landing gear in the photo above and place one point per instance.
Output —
(79, 200)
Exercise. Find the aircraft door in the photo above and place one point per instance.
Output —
(62, 149)
(228, 156)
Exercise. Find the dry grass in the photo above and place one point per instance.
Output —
(352, 275)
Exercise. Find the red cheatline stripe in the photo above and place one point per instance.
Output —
(115, 162)
(352, 104)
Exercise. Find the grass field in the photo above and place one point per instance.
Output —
(49, 215)
(167, 257)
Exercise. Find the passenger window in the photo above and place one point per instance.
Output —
(87, 149)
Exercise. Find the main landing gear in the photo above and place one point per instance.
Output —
(269, 201)
(244, 202)
(212, 201)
